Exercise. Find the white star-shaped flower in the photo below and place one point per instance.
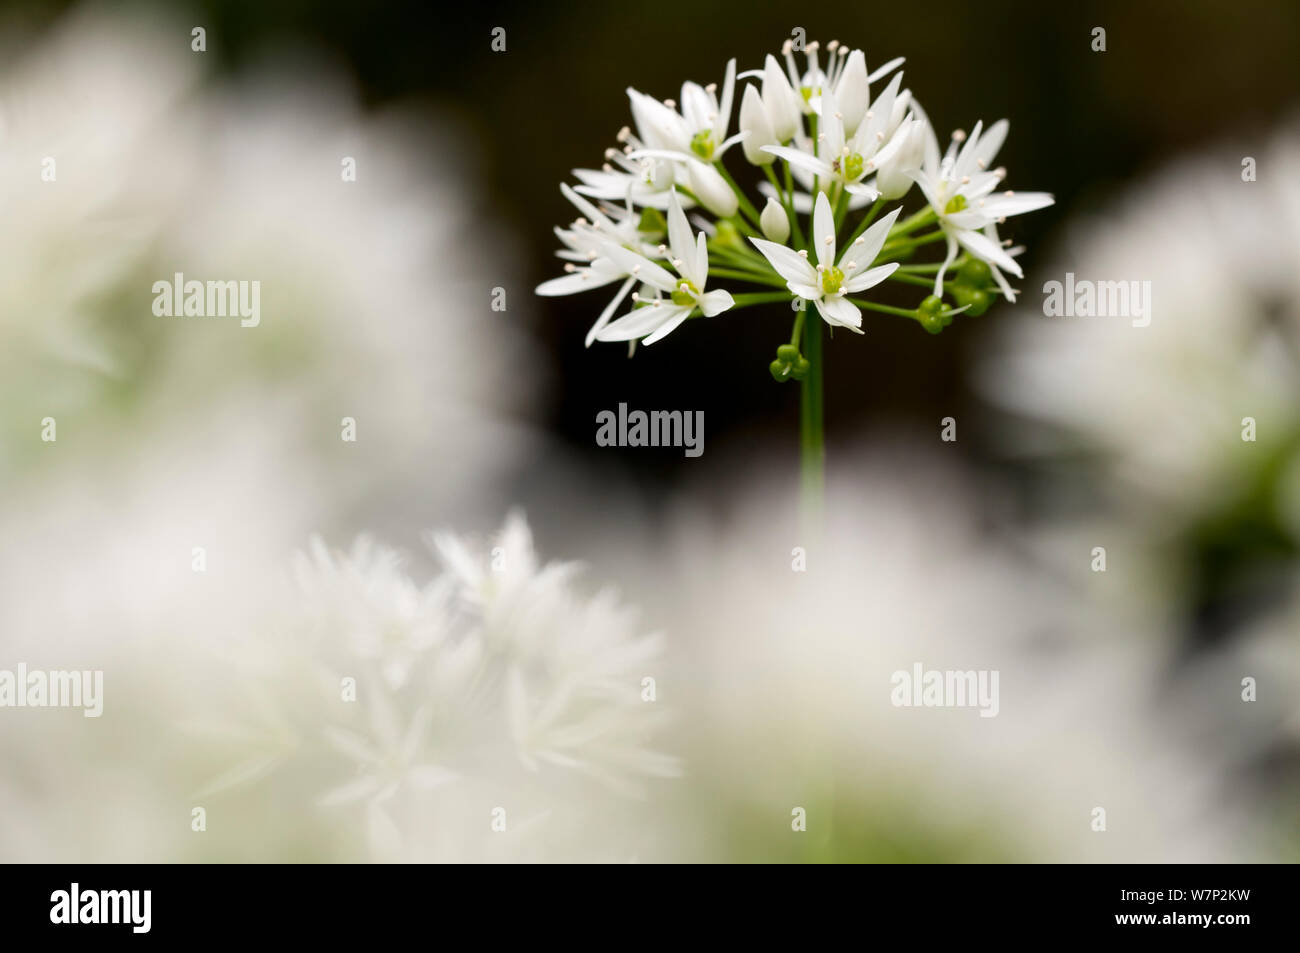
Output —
(685, 292)
(849, 160)
(959, 187)
(829, 283)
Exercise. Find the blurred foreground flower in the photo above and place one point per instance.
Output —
(792, 700)
(496, 676)
(191, 452)
(1175, 444)
(1192, 421)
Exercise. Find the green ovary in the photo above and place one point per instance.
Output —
(702, 144)
(832, 278)
(685, 294)
(955, 204)
(850, 167)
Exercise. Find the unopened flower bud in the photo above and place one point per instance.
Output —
(754, 121)
(775, 223)
(781, 100)
(708, 185)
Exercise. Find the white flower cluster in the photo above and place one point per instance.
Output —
(412, 701)
(828, 149)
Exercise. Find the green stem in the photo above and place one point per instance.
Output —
(748, 261)
(746, 205)
(912, 222)
(883, 308)
(759, 297)
(776, 184)
(866, 221)
(812, 125)
(893, 247)
(841, 208)
(743, 226)
(812, 430)
(755, 276)
(794, 218)
(911, 279)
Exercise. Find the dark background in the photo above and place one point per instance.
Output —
(1175, 75)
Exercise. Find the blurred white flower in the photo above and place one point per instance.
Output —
(193, 454)
(507, 676)
(796, 662)
(1163, 406)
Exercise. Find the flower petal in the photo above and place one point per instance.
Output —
(788, 263)
(864, 249)
(715, 302)
(797, 157)
(983, 247)
(643, 268)
(642, 321)
(824, 230)
(609, 310)
(840, 312)
(870, 278)
(669, 326)
(1004, 206)
(679, 238)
